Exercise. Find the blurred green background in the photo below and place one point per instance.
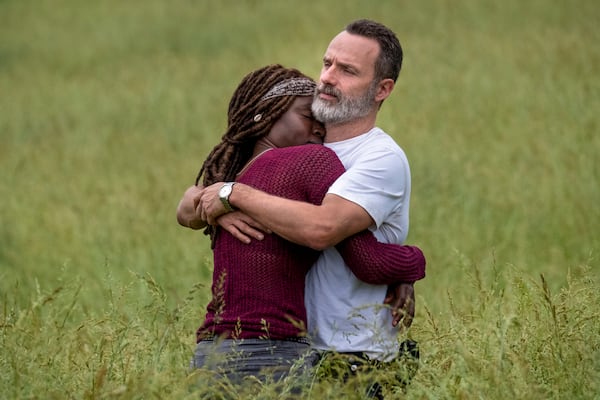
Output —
(108, 108)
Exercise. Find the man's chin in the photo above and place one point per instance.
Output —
(325, 102)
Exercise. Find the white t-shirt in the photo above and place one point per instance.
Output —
(344, 313)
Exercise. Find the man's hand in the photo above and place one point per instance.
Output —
(210, 206)
(401, 299)
(242, 227)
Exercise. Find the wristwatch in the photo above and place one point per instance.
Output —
(224, 194)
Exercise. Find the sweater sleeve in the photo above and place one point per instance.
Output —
(370, 260)
(381, 263)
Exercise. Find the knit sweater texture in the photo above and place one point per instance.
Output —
(258, 289)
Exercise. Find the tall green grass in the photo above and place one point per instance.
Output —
(108, 108)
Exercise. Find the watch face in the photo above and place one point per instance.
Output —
(225, 191)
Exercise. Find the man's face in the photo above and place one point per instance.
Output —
(347, 88)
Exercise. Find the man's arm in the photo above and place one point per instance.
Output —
(314, 226)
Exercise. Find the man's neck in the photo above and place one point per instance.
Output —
(348, 130)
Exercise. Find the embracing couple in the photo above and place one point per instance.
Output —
(306, 202)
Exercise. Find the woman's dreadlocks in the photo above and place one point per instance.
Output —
(243, 130)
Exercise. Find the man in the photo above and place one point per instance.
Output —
(360, 68)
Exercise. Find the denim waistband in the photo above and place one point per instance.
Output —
(298, 339)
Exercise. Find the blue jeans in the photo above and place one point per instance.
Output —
(263, 358)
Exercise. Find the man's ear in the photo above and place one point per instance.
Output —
(384, 89)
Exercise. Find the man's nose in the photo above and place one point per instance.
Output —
(328, 76)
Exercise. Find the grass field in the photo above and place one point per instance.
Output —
(108, 108)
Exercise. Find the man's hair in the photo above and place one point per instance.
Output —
(389, 61)
(253, 110)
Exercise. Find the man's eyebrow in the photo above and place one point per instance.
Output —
(342, 64)
(348, 66)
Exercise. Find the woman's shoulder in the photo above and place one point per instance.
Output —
(307, 150)
(315, 155)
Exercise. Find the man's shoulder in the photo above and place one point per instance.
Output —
(377, 144)
(374, 140)
(379, 137)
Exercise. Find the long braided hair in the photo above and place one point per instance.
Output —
(250, 117)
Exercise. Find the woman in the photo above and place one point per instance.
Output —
(256, 317)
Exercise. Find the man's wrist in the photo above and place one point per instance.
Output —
(224, 195)
(237, 196)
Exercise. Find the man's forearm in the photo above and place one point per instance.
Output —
(306, 224)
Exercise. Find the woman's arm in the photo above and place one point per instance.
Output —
(381, 263)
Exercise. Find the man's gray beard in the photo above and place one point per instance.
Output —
(348, 108)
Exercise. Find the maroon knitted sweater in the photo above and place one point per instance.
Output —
(258, 289)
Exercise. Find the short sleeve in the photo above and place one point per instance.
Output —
(377, 181)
